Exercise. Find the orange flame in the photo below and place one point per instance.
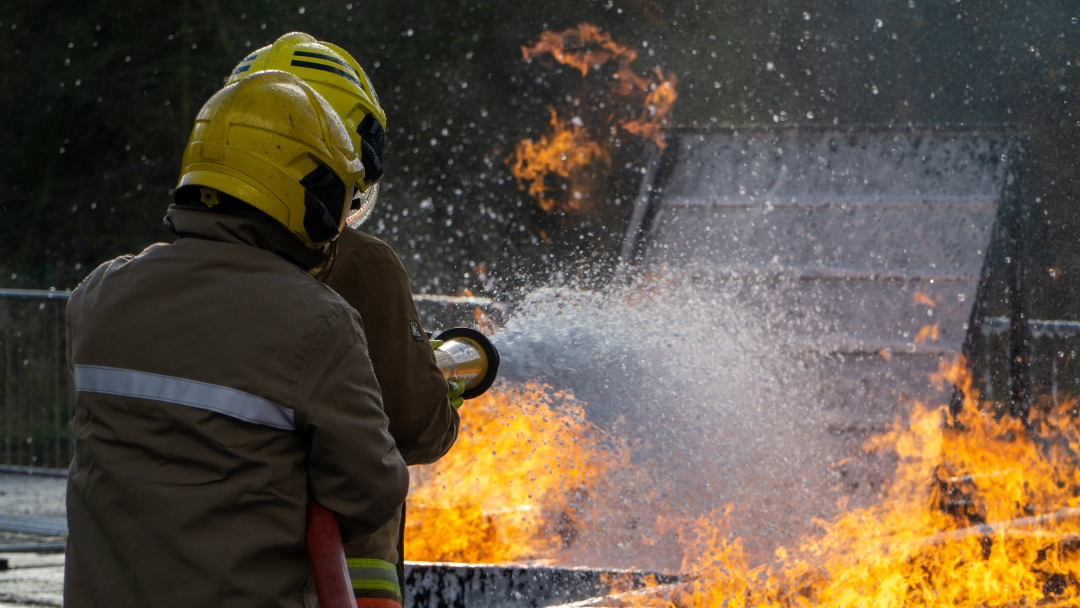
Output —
(923, 298)
(568, 149)
(653, 121)
(927, 332)
(982, 511)
(581, 58)
(565, 151)
(509, 489)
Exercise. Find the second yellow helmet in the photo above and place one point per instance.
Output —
(338, 77)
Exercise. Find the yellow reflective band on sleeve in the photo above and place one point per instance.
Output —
(368, 574)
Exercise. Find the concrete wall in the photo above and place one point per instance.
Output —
(832, 233)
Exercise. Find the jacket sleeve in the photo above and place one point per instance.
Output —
(372, 280)
(354, 468)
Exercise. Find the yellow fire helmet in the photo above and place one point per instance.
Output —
(274, 143)
(338, 77)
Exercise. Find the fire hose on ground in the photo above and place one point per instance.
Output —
(465, 356)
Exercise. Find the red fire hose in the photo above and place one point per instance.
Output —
(328, 568)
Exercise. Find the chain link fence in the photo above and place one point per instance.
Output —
(1045, 364)
(37, 392)
(36, 389)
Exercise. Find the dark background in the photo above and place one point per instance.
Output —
(97, 99)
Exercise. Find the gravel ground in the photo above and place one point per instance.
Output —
(32, 579)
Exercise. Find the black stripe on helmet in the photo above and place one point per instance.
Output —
(251, 56)
(241, 69)
(327, 68)
(325, 58)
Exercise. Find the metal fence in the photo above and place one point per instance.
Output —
(1046, 363)
(36, 390)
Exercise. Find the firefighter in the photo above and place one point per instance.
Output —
(219, 385)
(369, 275)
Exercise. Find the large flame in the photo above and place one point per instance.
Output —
(509, 490)
(983, 511)
(577, 148)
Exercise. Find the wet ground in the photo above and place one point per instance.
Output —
(31, 579)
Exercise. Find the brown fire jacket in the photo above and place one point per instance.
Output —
(218, 388)
(369, 275)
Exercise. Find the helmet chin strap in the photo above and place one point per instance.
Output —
(322, 270)
(324, 198)
(362, 205)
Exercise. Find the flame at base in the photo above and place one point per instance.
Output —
(983, 511)
(508, 491)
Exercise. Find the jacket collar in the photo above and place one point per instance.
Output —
(253, 228)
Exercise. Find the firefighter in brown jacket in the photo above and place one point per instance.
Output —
(219, 385)
(368, 274)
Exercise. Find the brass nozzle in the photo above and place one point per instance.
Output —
(466, 355)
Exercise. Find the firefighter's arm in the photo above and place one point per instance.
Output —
(354, 468)
(372, 279)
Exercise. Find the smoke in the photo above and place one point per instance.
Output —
(713, 403)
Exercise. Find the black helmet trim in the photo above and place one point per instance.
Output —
(327, 68)
(324, 58)
(374, 138)
(324, 201)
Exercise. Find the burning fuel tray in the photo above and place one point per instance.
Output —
(446, 585)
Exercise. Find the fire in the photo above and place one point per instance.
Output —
(510, 488)
(923, 298)
(983, 511)
(927, 332)
(579, 148)
(653, 120)
(578, 56)
(567, 151)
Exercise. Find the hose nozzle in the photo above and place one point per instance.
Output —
(467, 356)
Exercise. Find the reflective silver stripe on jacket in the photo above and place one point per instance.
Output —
(220, 399)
